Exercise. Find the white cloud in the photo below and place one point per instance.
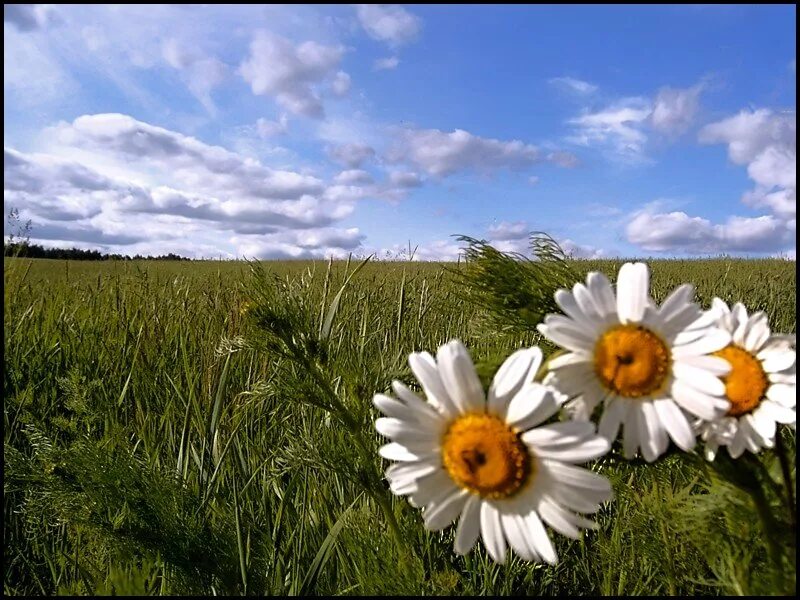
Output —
(533, 180)
(675, 109)
(576, 86)
(200, 73)
(509, 231)
(341, 83)
(266, 128)
(617, 128)
(440, 153)
(351, 155)
(353, 176)
(767, 143)
(290, 73)
(385, 64)
(405, 179)
(28, 17)
(678, 232)
(122, 184)
(388, 23)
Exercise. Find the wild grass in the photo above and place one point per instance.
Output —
(163, 437)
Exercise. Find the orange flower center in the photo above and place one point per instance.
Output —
(746, 384)
(631, 361)
(485, 456)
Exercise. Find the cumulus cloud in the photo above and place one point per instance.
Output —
(267, 128)
(28, 17)
(386, 64)
(200, 73)
(290, 73)
(576, 86)
(341, 83)
(388, 23)
(440, 153)
(353, 176)
(351, 155)
(128, 183)
(678, 232)
(618, 128)
(675, 109)
(509, 231)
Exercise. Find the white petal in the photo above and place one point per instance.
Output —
(410, 431)
(432, 487)
(469, 526)
(776, 362)
(398, 452)
(459, 377)
(763, 424)
(425, 370)
(713, 364)
(567, 432)
(602, 294)
(564, 339)
(714, 340)
(698, 378)
(492, 533)
(778, 413)
(566, 301)
(518, 369)
(783, 394)
(655, 440)
(612, 418)
(584, 451)
(410, 470)
(532, 404)
(631, 432)
(569, 359)
(514, 528)
(541, 541)
(633, 291)
(698, 403)
(440, 515)
(420, 408)
(676, 301)
(554, 516)
(578, 477)
(675, 423)
(758, 333)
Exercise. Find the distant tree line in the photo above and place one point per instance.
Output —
(28, 250)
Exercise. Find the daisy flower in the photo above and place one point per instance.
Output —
(490, 462)
(648, 364)
(761, 386)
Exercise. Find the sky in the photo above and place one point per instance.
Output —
(314, 131)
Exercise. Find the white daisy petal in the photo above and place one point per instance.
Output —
(698, 403)
(654, 438)
(590, 449)
(530, 406)
(424, 368)
(432, 486)
(420, 408)
(565, 339)
(459, 377)
(633, 285)
(758, 333)
(776, 362)
(492, 533)
(440, 515)
(631, 431)
(555, 516)
(513, 526)
(783, 394)
(763, 424)
(713, 364)
(602, 294)
(714, 340)
(578, 477)
(567, 302)
(612, 418)
(699, 379)
(569, 359)
(398, 452)
(777, 412)
(518, 369)
(568, 432)
(675, 423)
(541, 541)
(469, 526)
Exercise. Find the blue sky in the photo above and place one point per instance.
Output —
(309, 131)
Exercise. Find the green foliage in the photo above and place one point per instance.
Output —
(177, 428)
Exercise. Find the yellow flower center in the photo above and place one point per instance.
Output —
(746, 384)
(631, 361)
(485, 456)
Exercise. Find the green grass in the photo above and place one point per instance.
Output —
(158, 442)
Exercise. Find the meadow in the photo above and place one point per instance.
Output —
(156, 441)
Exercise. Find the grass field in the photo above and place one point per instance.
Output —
(157, 443)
